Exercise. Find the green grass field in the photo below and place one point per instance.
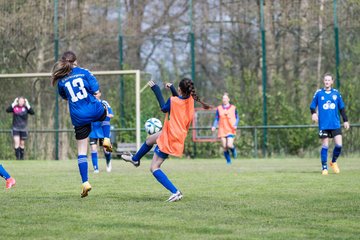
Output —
(251, 199)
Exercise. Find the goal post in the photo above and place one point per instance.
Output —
(136, 73)
(202, 123)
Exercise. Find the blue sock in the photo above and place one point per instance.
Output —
(4, 173)
(106, 127)
(227, 157)
(336, 153)
(94, 159)
(144, 149)
(324, 153)
(83, 167)
(107, 157)
(233, 152)
(163, 179)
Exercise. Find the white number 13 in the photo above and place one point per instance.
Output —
(77, 83)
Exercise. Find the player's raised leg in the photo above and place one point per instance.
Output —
(144, 149)
(106, 130)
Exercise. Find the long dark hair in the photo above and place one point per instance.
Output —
(187, 88)
(63, 67)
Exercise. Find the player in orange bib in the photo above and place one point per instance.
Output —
(227, 120)
(170, 140)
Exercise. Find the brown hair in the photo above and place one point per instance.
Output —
(187, 88)
(328, 74)
(63, 67)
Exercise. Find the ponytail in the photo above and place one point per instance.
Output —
(63, 67)
(187, 88)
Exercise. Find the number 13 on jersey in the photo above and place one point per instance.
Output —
(76, 83)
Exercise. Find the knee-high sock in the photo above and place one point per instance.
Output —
(83, 167)
(144, 149)
(94, 159)
(163, 179)
(323, 154)
(233, 152)
(336, 153)
(17, 153)
(227, 156)
(3, 173)
(107, 157)
(22, 153)
(106, 127)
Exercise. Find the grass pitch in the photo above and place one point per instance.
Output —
(251, 199)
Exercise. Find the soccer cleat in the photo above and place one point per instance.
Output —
(324, 172)
(107, 145)
(10, 182)
(96, 171)
(108, 167)
(128, 158)
(335, 167)
(86, 188)
(175, 197)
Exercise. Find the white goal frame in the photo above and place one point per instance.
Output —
(99, 73)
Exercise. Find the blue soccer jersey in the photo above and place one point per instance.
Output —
(329, 103)
(96, 127)
(79, 88)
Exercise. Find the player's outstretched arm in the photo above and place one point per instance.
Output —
(155, 88)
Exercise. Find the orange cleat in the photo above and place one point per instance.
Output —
(10, 182)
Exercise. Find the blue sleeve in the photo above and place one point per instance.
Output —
(173, 91)
(237, 117)
(341, 103)
(216, 121)
(62, 92)
(314, 102)
(110, 111)
(93, 83)
(158, 95)
(166, 107)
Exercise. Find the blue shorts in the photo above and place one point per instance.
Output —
(160, 153)
(230, 136)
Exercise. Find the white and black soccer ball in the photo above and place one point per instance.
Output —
(153, 125)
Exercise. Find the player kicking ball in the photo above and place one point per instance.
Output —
(170, 140)
(329, 102)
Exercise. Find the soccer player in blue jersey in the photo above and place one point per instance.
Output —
(78, 86)
(10, 181)
(329, 102)
(97, 133)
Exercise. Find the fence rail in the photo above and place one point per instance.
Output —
(250, 136)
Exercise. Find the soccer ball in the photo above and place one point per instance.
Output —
(153, 125)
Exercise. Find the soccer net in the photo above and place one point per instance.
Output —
(50, 130)
(202, 123)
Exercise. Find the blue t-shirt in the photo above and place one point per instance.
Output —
(79, 88)
(329, 103)
(96, 127)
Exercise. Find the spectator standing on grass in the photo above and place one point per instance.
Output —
(20, 109)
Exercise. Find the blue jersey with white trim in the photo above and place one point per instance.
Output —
(78, 88)
(329, 103)
(96, 127)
